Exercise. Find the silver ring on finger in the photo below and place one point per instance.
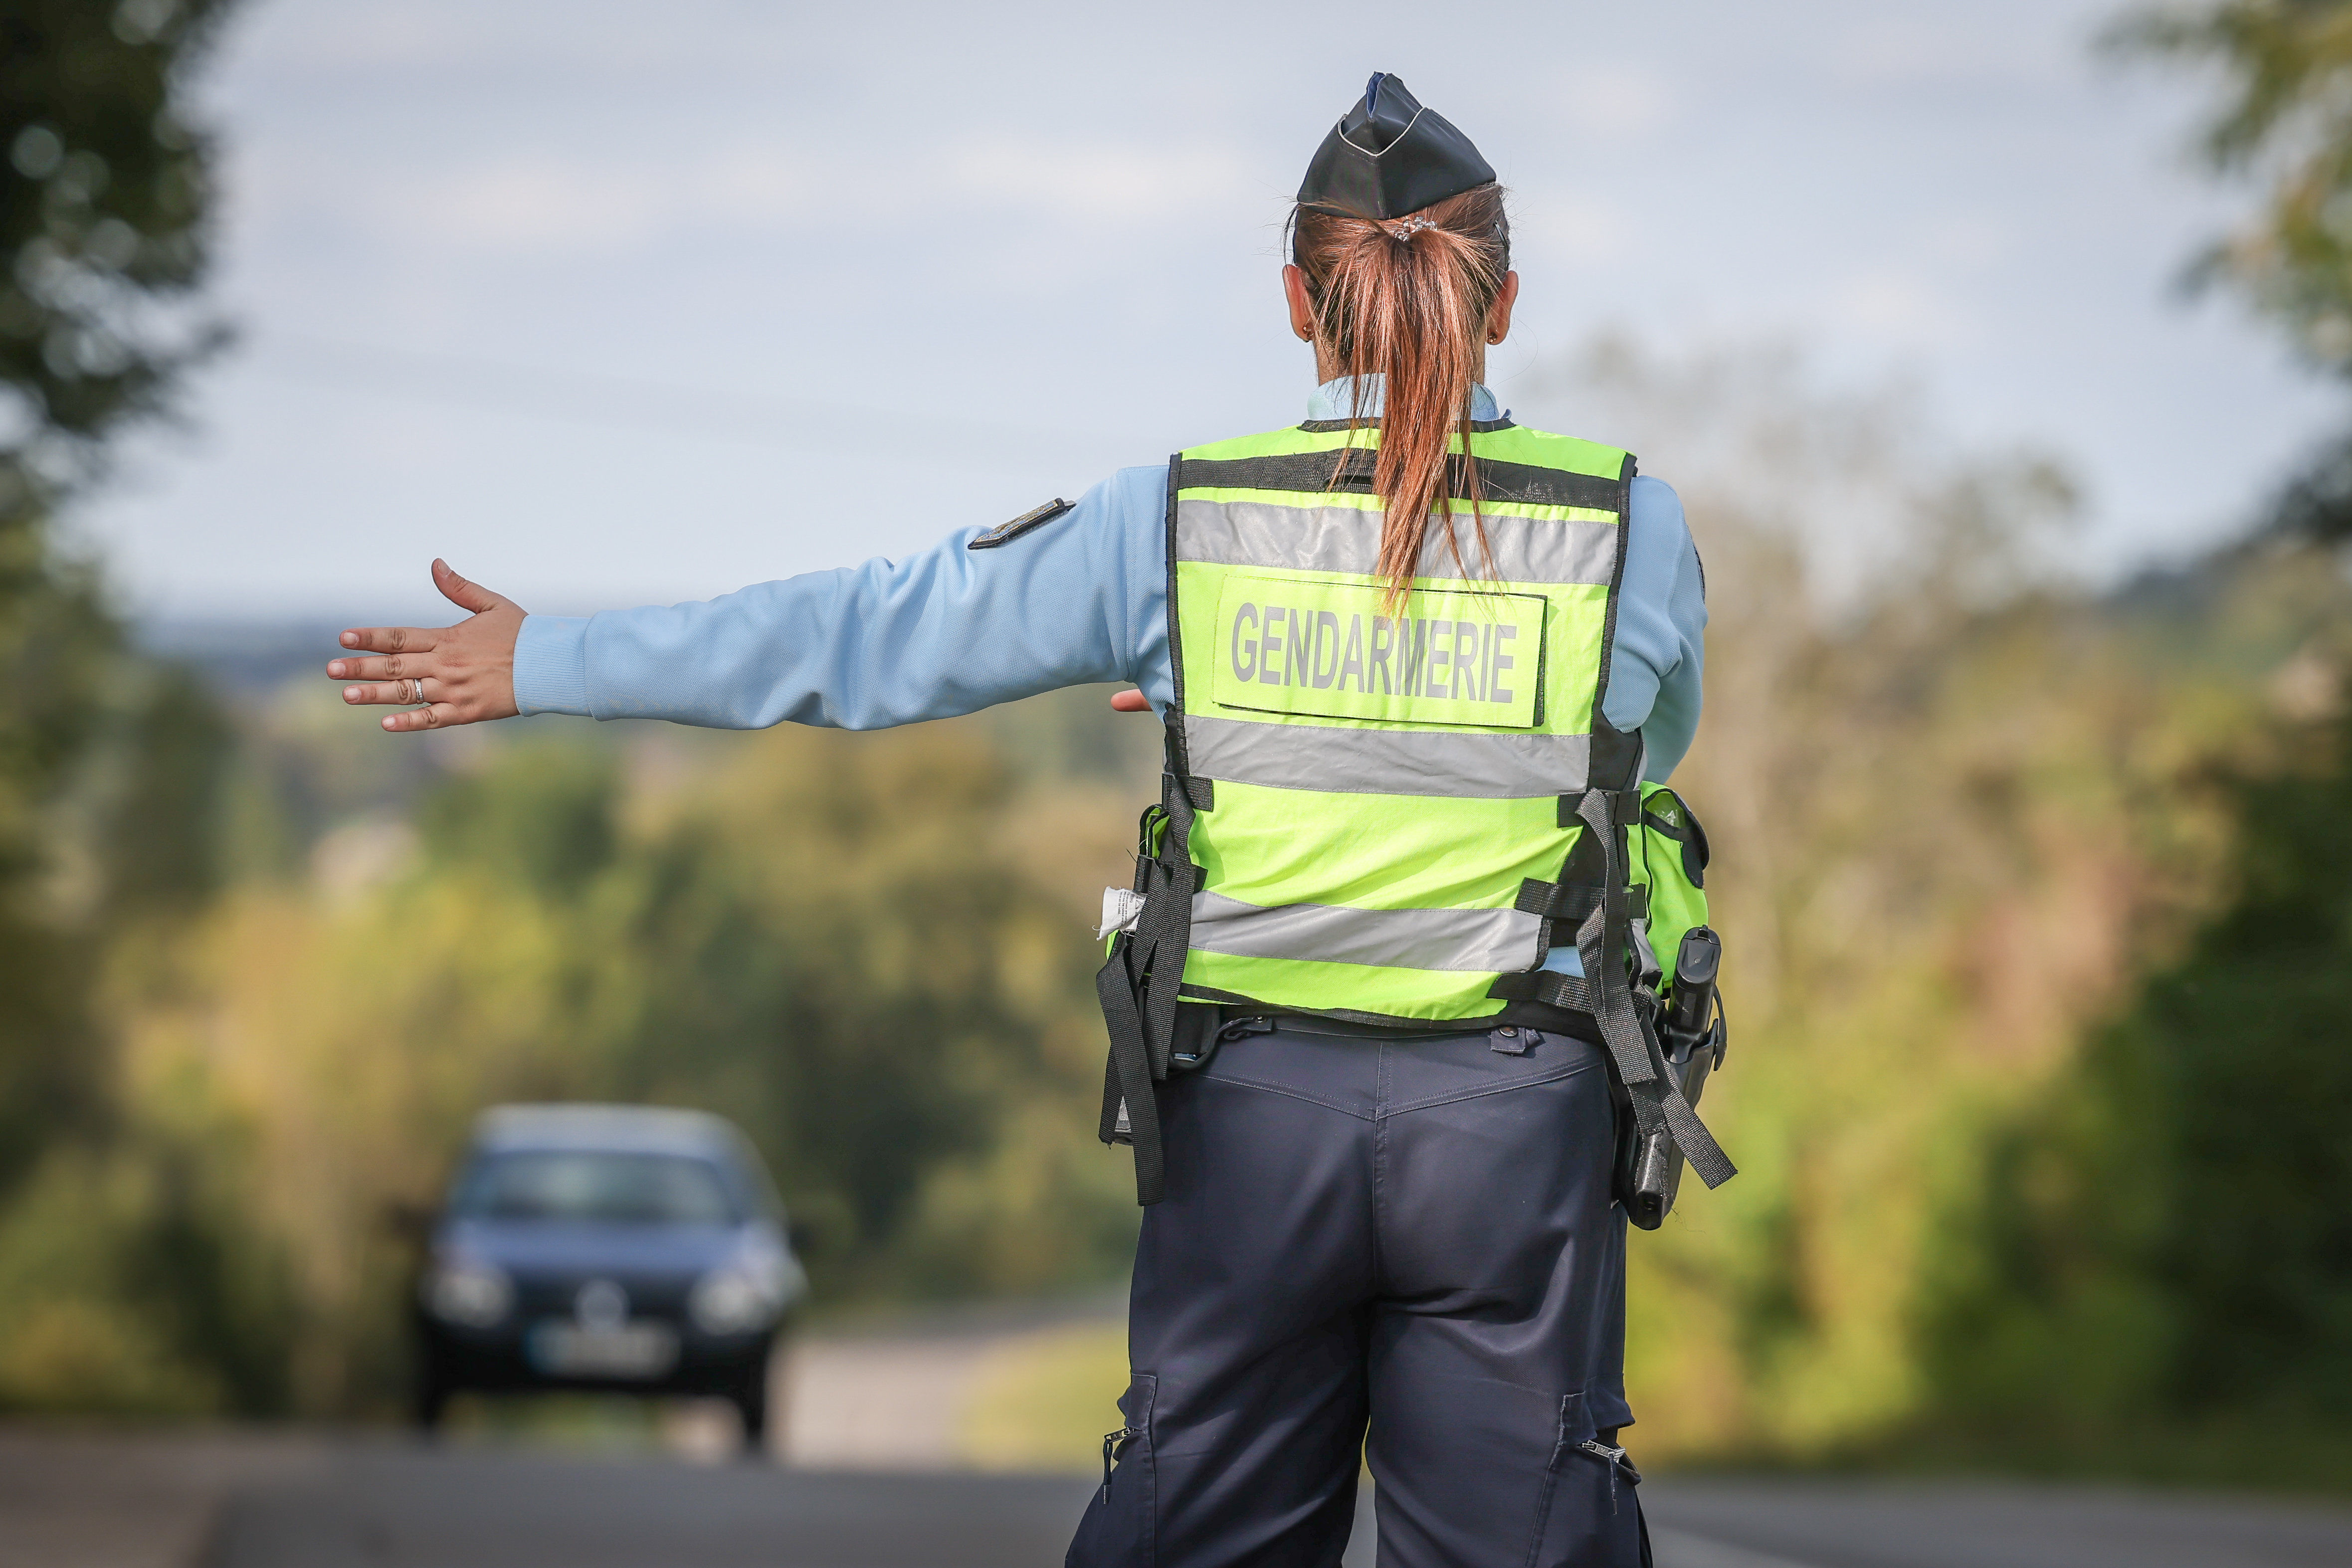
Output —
(417, 693)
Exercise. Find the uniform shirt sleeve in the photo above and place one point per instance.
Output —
(1655, 672)
(944, 632)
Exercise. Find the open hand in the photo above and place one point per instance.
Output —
(464, 673)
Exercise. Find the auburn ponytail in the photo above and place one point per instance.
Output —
(1407, 299)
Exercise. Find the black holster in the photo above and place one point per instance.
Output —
(1138, 982)
(1650, 1165)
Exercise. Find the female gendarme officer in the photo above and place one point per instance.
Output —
(1407, 652)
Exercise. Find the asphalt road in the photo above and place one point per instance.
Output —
(242, 1498)
(389, 1507)
(500, 1510)
(1777, 1522)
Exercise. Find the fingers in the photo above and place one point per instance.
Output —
(401, 694)
(432, 718)
(385, 693)
(472, 597)
(386, 639)
(397, 667)
(464, 594)
(1129, 702)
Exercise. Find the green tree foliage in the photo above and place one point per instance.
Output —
(117, 1256)
(2285, 120)
(164, 762)
(2160, 1243)
(104, 204)
(104, 222)
(2165, 1239)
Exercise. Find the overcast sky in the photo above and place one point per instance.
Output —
(612, 300)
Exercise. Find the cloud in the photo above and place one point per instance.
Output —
(1620, 100)
(1576, 228)
(1971, 241)
(519, 203)
(535, 203)
(366, 37)
(1094, 180)
(1902, 310)
(528, 202)
(306, 38)
(1951, 49)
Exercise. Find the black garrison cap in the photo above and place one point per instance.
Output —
(1390, 157)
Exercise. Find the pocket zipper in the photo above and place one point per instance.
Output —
(1618, 1465)
(1114, 1444)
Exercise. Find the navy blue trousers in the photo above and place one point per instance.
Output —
(1398, 1252)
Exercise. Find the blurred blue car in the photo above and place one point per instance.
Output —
(609, 1248)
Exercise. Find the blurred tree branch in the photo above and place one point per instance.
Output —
(106, 217)
(2285, 125)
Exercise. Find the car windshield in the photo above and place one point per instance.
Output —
(594, 1185)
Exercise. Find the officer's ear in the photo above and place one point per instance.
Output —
(1498, 317)
(1302, 305)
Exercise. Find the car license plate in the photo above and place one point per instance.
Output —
(628, 1350)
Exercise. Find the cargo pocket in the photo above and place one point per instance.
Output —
(1586, 1512)
(1121, 1525)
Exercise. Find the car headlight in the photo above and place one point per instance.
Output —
(462, 1291)
(737, 1298)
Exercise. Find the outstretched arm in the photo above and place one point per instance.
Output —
(946, 631)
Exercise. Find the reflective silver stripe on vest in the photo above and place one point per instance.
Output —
(1466, 765)
(1397, 939)
(1348, 539)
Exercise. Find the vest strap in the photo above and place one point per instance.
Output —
(1574, 900)
(1622, 806)
(1549, 986)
